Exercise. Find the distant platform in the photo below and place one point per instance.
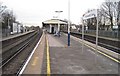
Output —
(15, 35)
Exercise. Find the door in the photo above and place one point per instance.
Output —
(52, 30)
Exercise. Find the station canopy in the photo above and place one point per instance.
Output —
(54, 21)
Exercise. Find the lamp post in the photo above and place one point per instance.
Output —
(58, 21)
(68, 22)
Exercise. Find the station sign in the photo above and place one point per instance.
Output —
(91, 14)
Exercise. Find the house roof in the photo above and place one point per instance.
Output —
(54, 21)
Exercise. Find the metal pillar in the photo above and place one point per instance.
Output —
(96, 35)
(8, 27)
(50, 28)
(82, 37)
(97, 31)
(68, 22)
(58, 27)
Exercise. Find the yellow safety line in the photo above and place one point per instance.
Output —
(48, 59)
(103, 53)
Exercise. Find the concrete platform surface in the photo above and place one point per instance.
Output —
(35, 64)
(77, 59)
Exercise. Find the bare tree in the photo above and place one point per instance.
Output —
(111, 11)
(8, 16)
(0, 6)
(118, 15)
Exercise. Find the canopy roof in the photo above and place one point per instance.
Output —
(54, 21)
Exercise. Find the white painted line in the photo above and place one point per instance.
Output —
(30, 56)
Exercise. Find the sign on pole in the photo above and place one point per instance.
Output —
(89, 15)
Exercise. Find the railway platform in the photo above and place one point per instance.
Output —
(77, 59)
(15, 35)
(53, 56)
(33, 64)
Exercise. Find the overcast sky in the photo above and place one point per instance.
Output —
(36, 11)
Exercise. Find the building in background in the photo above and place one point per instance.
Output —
(16, 28)
(52, 25)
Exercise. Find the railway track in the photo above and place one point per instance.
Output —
(6, 60)
(108, 44)
(13, 63)
(8, 44)
(13, 48)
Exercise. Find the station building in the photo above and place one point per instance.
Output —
(16, 27)
(54, 25)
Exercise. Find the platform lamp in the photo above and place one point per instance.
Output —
(58, 21)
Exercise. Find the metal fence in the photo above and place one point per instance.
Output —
(5, 32)
(101, 33)
(110, 34)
